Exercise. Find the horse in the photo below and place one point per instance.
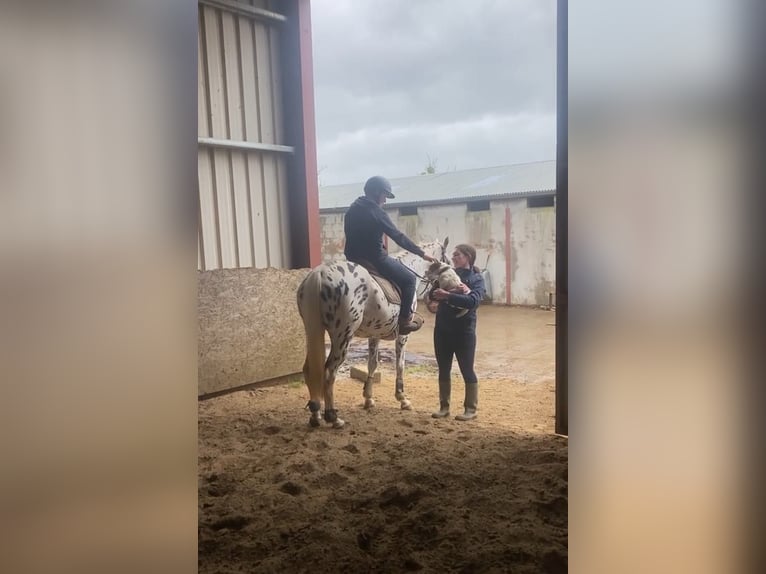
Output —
(344, 300)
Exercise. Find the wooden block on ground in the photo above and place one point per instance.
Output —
(361, 374)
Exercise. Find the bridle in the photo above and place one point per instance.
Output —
(444, 255)
(424, 282)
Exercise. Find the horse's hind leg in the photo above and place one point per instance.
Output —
(313, 367)
(337, 356)
(314, 385)
(372, 365)
(400, 396)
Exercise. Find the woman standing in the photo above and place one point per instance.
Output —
(456, 336)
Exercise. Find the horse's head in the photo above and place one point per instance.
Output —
(435, 269)
(443, 276)
(437, 249)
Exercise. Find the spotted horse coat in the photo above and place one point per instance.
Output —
(342, 299)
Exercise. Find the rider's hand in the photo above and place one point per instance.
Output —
(429, 258)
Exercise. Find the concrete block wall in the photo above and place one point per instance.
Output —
(332, 236)
(532, 249)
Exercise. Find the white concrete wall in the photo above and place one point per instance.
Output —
(532, 253)
(332, 236)
(532, 248)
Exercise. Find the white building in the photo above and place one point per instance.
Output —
(507, 213)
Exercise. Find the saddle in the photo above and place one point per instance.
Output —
(390, 290)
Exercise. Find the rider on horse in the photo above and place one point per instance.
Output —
(364, 226)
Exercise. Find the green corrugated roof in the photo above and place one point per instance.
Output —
(466, 185)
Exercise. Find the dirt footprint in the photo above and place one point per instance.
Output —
(333, 480)
(291, 488)
(231, 522)
(303, 467)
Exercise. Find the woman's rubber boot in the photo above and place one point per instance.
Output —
(445, 388)
(471, 402)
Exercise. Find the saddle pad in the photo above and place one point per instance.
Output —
(390, 290)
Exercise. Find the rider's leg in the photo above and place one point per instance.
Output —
(408, 296)
(395, 271)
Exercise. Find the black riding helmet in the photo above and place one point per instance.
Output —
(376, 185)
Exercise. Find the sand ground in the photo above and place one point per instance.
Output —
(394, 490)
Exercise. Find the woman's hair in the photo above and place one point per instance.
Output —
(469, 252)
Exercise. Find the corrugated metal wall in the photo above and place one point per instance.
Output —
(243, 210)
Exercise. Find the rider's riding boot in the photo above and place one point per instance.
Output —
(444, 395)
(409, 325)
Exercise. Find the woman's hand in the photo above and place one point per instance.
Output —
(440, 294)
(432, 306)
(463, 288)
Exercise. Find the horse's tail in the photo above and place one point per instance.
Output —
(310, 307)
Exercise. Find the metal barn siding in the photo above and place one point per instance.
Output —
(247, 193)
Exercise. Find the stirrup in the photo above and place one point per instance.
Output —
(415, 324)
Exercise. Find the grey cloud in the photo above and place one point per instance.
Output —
(402, 151)
(421, 68)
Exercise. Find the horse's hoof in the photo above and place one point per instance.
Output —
(369, 403)
(313, 422)
(338, 424)
(406, 405)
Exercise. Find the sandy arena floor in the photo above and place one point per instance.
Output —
(394, 490)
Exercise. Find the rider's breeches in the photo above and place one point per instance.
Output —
(395, 271)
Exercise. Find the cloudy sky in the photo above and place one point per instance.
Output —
(468, 83)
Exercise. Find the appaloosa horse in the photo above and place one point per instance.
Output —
(343, 299)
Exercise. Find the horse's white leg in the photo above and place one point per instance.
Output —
(337, 356)
(313, 366)
(372, 365)
(400, 396)
(315, 394)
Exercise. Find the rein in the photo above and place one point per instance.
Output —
(423, 280)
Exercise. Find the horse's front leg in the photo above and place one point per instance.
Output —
(372, 365)
(401, 341)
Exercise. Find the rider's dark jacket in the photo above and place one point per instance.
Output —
(365, 223)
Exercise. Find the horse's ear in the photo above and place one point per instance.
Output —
(446, 242)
